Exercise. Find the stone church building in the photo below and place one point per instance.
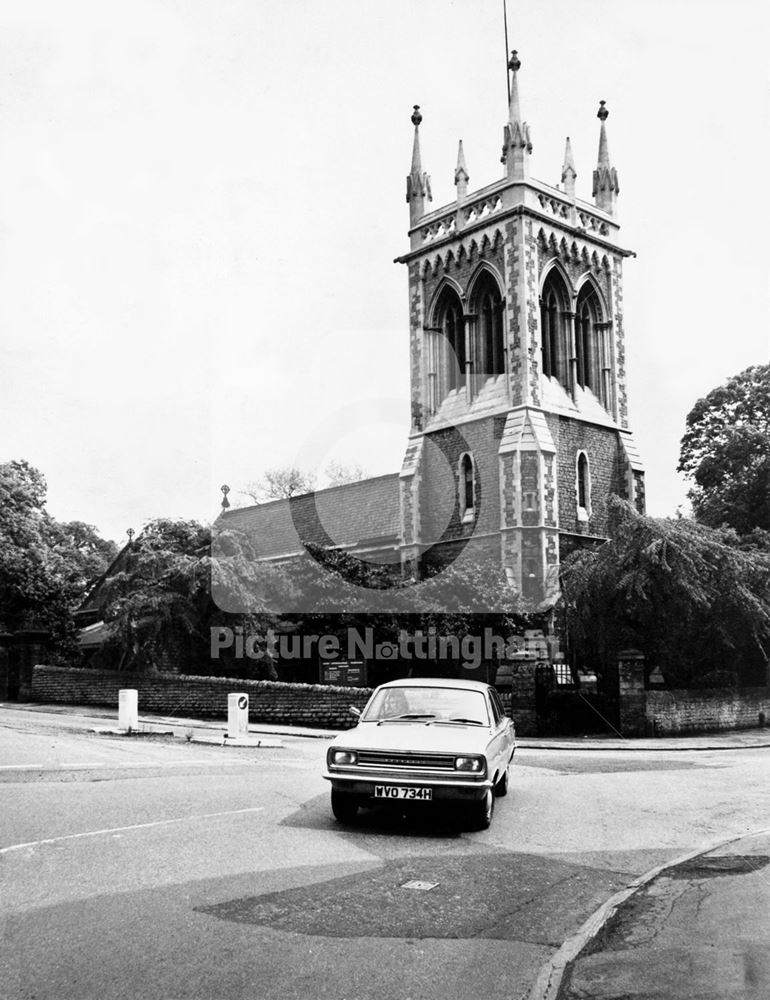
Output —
(519, 414)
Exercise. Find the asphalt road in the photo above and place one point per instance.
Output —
(155, 868)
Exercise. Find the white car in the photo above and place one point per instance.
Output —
(424, 740)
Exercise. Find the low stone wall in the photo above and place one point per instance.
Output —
(670, 713)
(315, 705)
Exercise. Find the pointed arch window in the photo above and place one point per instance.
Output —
(554, 306)
(583, 487)
(588, 341)
(489, 346)
(449, 315)
(467, 488)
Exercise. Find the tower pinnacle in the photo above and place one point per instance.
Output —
(461, 174)
(605, 189)
(568, 172)
(517, 145)
(417, 182)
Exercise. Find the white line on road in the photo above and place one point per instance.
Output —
(119, 765)
(123, 829)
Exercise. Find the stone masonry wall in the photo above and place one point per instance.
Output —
(312, 705)
(601, 445)
(441, 484)
(670, 713)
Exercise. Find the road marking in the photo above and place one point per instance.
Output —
(122, 829)
(117, 765)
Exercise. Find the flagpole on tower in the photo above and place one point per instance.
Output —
(507, 74)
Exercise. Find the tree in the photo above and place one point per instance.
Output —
(157, 597)
(280, 483)
(81, 553)
(726, 453)
(160, 609)
(694, 600)
(45, 566)
(379, 603)
(28, 588)
(338, 474)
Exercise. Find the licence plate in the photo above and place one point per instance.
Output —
(396, 792)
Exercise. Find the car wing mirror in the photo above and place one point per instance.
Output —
(355, 711)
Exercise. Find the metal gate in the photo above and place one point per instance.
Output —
(565, 708)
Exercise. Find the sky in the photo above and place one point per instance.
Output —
(201, 202)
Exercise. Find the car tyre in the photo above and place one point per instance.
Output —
(501, 788)
(481, 815)
(344, 806)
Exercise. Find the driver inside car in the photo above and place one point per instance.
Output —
(394, 705)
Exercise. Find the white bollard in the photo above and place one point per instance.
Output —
(237, 716)
(128, 709)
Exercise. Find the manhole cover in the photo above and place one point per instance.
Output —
(417, 884)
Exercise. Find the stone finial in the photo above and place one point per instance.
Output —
(605, 187)
(517, 144)
(417, 182)
(130, 532)
(225, 502)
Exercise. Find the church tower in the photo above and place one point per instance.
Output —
(518, 385)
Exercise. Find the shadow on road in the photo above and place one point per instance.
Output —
(427, 819)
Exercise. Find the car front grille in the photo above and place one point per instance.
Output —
(376, 759)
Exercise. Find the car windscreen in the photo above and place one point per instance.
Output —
(424, 704)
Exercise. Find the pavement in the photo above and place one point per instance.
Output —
(216, 729)
(695, 928)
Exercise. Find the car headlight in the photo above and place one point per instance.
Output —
(474, 764)
(343, 757)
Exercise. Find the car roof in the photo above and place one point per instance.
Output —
(437, 682)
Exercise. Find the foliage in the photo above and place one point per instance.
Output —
(280, 484)
(692, 598)
(173, 586)
(288, 481)
(45, 566)
(81, 553)
(380, 603)
(160, 608)
(726, 453)
(159, 590)
(338, 475)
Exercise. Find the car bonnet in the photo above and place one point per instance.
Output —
(416, 735)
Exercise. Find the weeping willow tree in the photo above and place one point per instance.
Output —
(695, 600)
(160, 609)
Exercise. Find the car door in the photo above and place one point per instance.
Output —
(501, 742)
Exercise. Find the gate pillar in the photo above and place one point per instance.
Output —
(632, 694)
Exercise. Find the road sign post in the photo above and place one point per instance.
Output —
(237, 716)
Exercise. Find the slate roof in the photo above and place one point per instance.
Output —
(93, 602)
(355, 515)
(94, 636)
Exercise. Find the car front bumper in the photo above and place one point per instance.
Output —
(442, 789)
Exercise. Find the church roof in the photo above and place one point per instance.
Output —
(355, 515)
